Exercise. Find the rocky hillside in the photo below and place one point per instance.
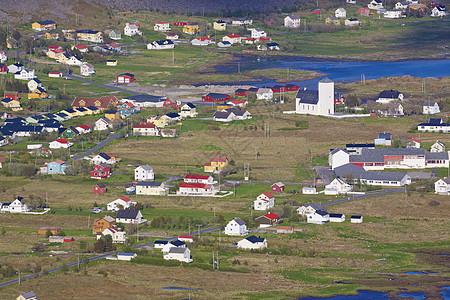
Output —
(27, 10)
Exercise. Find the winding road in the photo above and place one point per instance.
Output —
(99, 146)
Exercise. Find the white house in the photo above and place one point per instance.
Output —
(126, 256)
(3, 57)
(204, 179)
(188, 110)
(129, 216)
(352, 22)
(144, 173)
(439, 11)
(306, 190)
(413, 143)
(118, 236)
(203, 41)
(264, 201)
(256, 33)
(388, 96)
(60, 143)
(309, 209)
(236, 227)
(186, 238)
(131, 30)
(337, 186)
(320, 102)
(292, 21)
(121, 203)
(161, 26)
(430, 108)
(393, 14)
(14, 68)
(34, 84)
(73, 61)
(180, 254)
(25, 74)
(232, 38)
(102, 158)
(442, 186)
(434, 125)
(252, 242)
(338, 157)
(173, 244)
(402, 5)
(87, 69)
(161, 45)
(15, 207)
(350, 1)
(356, 219)
(151, 188)
(264, 94)
(375, 4)
(340, 13)
(337, 218)
(196, 189)
(318, 217)
(103, 124)
(438, 147)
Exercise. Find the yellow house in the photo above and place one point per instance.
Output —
(220, 25)
(191, 28)
(11, 43)
(70, 112)
(44, 25)
(417, 6)
(81, 111)
(111, 62)
(112, 114)
(90, 35)
(332, 21)
(159, 121)
(52, 35)
(92, 110)
(223, 106)
(216, 165)
(63, 57)
(38, 93)
(13, 104)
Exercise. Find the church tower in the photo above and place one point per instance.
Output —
(326, 97)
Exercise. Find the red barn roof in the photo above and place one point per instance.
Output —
(271, 216)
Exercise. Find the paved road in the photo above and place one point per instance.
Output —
(22, 278)
(99, 146)
(263, 181)
(350, 198)
(71, 76)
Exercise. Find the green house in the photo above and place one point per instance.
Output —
(115, 34)
(67, 133)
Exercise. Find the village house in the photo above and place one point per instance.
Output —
(83, 129)
(402, 5)
(161, 27)
(203, 179)
(43, 25)
(86, 69)
(60, 143)
(172, 37)
(182, 254)
(388, 96)
(216, 97)
(25, 74)
(292, 21)
(216, 165)
(393, 14)
(332, 21)
(129, 216)
(236, 227)
(242, 21)
(391, 110)
(256, 33)
(144, 173)
(159, 121)
(114, 34)
(337, 186)
(224, 44)
(430, 108)
(103, 124)
(53, 230)
(314, 214)
(125, 78)
(337, 218)
(17, 206)
(55, 167)
(439, 11)
(252, 243)
(264, 201)
(3, 57)
(188, 110)
(60, 239)
(442, 186)
(267, 220)
(356, 149)
(413, 144)
(356, 219)
(14, 68)
(111, 62)
(161, 45)
(126, 256)
(3, 69)
(320, 102)
(102, 223)
(268, 46)
(438, 147)
(264, 94)
(340, 13)
(34, 84)
(122, 203)
(12, 104)
(145, 129)
(352, 22)
(285, 230)
(100, 188)
(128, 109)
(151, 188)
(101, 103)
(220, 25)
(383, 139)
(277, 187)
(28, 296)
(117, 235)
(232, 38)
(375, 4)
(89, 35)
(165, 247)
(196, 189)
(101, 171)
(434, 125)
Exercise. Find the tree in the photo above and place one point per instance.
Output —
(352, 100)
(48, 233)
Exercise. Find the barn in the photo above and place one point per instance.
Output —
(125, 78)
(216, 97)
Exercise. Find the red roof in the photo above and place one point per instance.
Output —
(162, 23)
(84, 127)
(196, 177)
(204, 39)
(218, 159)
(144, 125)
(104, 102)
(195, 185)
(60, 162)
(81, 47)
(57, 50)
(233, 36)
(125, 198)
(271, 216)
(416, 140)
(185, 237)
(62, 141)
(264, 38)
(55, 73)
(268, 194)
(236, 102)
(53, 47)
(2, 159)
(114, 45)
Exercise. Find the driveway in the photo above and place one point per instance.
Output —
(99, 146)
(106, 86)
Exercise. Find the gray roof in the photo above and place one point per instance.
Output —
(326, 80)
(221, 115)
(387, 176)
(146, 98)
(315, 206)
(336, 150)
(29, 295)
(308, 96)
(377, 155)
(436, 155)
(294, 17)
(239, 221)
(349, 169)
(146, 167)
(389, 94)
(127, 214)
(429, 103)
(148, 183)
(446, 180)
(179, 250)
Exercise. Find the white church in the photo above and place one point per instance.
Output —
(320, 102)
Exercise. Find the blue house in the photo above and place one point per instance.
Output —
(383, 139)
(128, 109)
(54, 167)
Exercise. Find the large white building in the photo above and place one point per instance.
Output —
(121, 203)
(442, 186)
(292, 21)
(252, 242)
(236, 227)
(15, 207)
(264, 201)
(144, 173)
(320, 102)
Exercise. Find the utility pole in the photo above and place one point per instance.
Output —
(137, 239)
(19, 278)
(78, 261)
(239, 67)
(89, 220)
(213, 261)
(173, 56)
(256, 152)
(199, 233)
(214, 209)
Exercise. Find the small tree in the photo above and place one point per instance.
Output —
(48, 233)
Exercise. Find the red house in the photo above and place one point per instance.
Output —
(291, 87)
(11, 95)
(364, 11)
(100, 189)
(278, 89)
(216, 97)
(339, 98)
(317, 11)
(269, 21)
(3, 69)
(277, 187)
(241, 92)
(125, 78)
(101, 171)
(435, 3)
(265, 38)
(171, 103)
(181, 23)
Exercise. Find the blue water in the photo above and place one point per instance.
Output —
(415, 273)
(179, 288)
(337, 70)
(445, 293)
(362, 295)
(414, 295)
